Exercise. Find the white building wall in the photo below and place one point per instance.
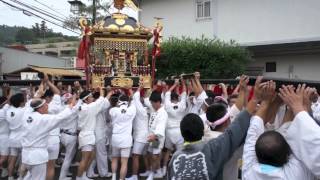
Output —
(305, 67)
(179, 18)
(246, 21)
(267, 20)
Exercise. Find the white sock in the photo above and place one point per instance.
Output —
(114, 176)
(134, 176)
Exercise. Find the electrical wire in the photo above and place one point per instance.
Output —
(34, 9)
(50, 8)
(38, 16)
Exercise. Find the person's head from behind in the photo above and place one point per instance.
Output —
(17, 100)
(67, 98)
(192, 128)
(272, 149)
(174, 97)
(155, 99)
(96, 95)
(232, 99)
(86, 97)
(48, 95)
(210, 94)
(39, 105)
(123, 99)
(114, 100)
(218, 116)
(206, 103)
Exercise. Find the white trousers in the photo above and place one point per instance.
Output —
(70, 143)
(36, 172)
(101, 159)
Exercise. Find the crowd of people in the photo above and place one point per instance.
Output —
(179, 131)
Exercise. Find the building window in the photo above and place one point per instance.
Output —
(271, 67)
(203, 9)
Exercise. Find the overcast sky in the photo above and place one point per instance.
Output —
(10, 16)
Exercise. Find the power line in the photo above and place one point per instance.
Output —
(39, 11)
(50, 8)
(31, 13)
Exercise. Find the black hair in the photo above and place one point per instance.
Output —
(96, 95)
(114, 100)
(192, 128)
(155, 97)
(48, 93)
(216, 111)
(174, 96)
(209, 101)
(35, 103)
(17, 99)
(272, 149)
(210, 94)
(3, 99)
(84, 94)
(124, 97)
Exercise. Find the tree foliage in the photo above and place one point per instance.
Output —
(15, 34)
(212, 57)
(26, 36)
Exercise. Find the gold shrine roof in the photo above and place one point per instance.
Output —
(121, 24)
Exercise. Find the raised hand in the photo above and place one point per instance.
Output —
(293, 99)
(243, 83)
(258, 88)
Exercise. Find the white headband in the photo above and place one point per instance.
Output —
(218, 122)
(120, 103)
(84, 98)
(40, 105)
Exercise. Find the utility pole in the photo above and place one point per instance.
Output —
(94, 12)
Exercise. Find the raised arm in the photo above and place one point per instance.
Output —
(256, 129)
(219, 150)
(303, 135)
(224, 90)
(243, 92)
(52, 87)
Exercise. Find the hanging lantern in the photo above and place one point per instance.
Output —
(76, 6)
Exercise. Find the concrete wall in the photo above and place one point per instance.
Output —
(267, 20)
(246, 21)
(305, 67)
(15, 59)
(179, 18)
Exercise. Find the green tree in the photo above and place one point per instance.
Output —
(211, 57)
(25, 36)
(43, 29)
(36, 29)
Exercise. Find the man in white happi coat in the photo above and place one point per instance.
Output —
(87, 112)
(53, 99)
(4, 131)
(140, 131)
(267, 155)
(157, 125)
(38, 123)
(101, 160)
(303, 135)
(122, 118)
(17, 130)
(68, 137)
(195, 103)
(176, 110)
